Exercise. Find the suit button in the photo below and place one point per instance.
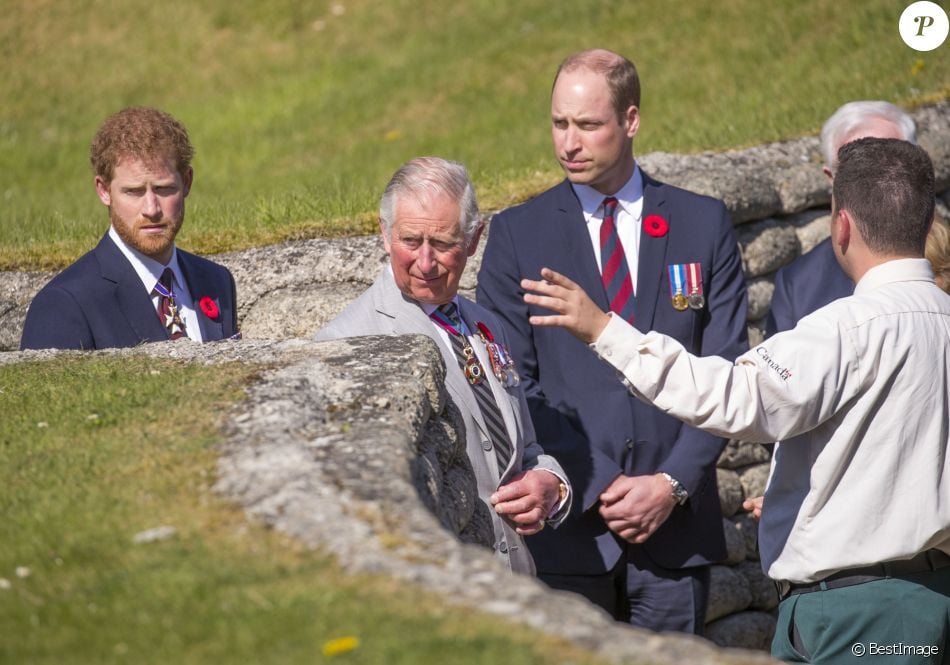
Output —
(503, 548)
(629, 443)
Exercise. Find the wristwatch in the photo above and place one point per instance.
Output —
(680, 495)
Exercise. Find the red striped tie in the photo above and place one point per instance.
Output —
(616, 272)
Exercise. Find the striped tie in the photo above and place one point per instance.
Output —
(616, 272)
(482, 391)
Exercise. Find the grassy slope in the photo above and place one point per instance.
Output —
(93, 451)
(300, 113)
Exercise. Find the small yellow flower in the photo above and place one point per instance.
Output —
(392, 135)
(917, 68)
(340, 645)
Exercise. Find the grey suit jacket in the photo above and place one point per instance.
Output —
(384, 310)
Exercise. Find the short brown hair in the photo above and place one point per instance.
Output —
(621, 75)
(142, 133)
(888, 187)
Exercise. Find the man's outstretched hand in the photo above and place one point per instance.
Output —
(575, 311)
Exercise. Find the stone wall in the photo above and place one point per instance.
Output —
(778, 198)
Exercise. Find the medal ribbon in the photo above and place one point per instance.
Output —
(695, 278)
(445, 322)
(162, 291)
(677, 277)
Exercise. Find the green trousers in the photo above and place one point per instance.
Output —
(896, 620)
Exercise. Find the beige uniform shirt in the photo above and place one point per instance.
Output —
(857, 395)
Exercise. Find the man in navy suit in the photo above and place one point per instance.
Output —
(646, 522)
(136, 286)
(815, 279)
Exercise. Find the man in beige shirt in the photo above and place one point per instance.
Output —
(856, 519)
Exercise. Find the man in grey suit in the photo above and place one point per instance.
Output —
(429, 222)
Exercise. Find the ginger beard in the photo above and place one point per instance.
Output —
(154, 242)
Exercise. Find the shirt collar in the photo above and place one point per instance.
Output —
(631, 193)
(898, 270)
(148, 269)
(428, 308)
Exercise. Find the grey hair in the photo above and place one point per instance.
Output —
(431, 176)
(852, 116)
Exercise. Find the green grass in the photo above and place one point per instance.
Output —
(300, 114)
(95, 450)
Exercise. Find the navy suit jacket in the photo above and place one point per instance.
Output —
(99, 302)
(583, 414)
(806, 285)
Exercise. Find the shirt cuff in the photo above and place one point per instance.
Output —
(618, 343)
(559, 506)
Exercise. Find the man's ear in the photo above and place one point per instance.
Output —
(382, 232)
(632, 119)
(186, 180)
(842, 228)
(102, 191)
(829, 173)
(473, 245)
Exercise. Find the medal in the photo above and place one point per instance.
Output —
(686, 286)
(471, 367)
(678, 286)
(172, 320)
(502, 364)
(473, 371)
(694, 283)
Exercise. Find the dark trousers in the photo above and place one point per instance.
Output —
(639, 592)
(897, 620)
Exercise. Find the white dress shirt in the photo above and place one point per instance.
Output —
(628, 219)
(150, 271)
(856, 394)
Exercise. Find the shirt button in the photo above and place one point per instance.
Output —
(486, 445)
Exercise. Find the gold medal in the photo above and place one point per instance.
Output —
(473, 371)
(680, 302)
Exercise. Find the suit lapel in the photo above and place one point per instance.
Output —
(573, 247)
(133, 303)
(211, 330)
(651, 264)
(408, 318)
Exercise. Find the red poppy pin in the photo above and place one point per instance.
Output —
(209, 307)
(656, 226)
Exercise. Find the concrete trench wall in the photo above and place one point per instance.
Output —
(779, 201)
